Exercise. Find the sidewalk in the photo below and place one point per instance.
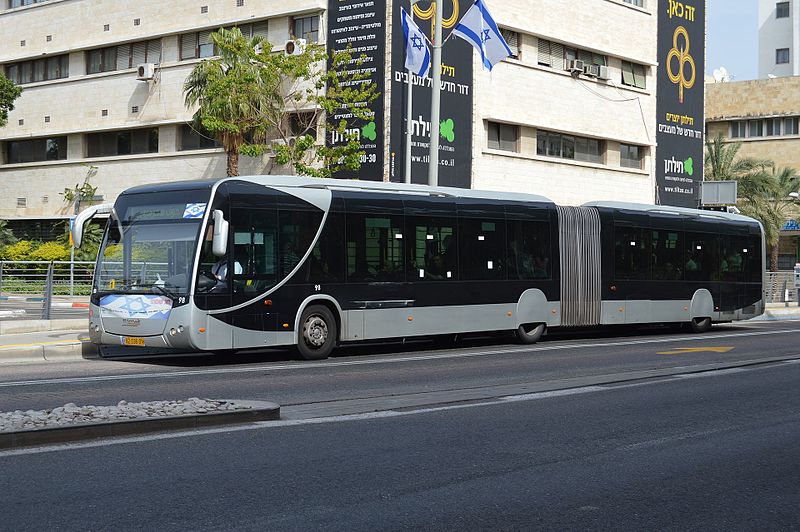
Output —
(28, 341)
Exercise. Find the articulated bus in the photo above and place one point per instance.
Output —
(253, 262)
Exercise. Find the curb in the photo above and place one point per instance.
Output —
(260, 411)
(26, 326)
(56, 352)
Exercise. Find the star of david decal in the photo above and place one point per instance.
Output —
(416, 42)
(486, 36)
(135, 306)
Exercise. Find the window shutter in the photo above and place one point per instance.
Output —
(512, 39)
(139, 53)
(544, 53)
(188, 46)
(585, 56)
(598, 59)
(557, 56)
(204, 37)
(154, 51)
(261, 29)
(123, 57)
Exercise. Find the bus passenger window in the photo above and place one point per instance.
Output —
(631, 253)
(701, 257)
(374, 248)
(482, 249)
(667, 255)
(528, 250)
(433, 252)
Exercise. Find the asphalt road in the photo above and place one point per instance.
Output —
(699, 451)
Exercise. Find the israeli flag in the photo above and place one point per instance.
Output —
(418, 56)
(478, 28)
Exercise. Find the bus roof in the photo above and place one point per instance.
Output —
(667, 209)
(342, 184)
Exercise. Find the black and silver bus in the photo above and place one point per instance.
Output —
(249, 262)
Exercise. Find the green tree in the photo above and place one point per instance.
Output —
(233, 92)
(49, 251)
(8, 93)
(322, 84)
(254, 102)
(6, 235)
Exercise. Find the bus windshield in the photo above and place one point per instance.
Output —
(150, 243)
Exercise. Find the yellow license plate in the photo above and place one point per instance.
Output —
(133, 341)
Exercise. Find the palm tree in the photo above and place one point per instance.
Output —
(722, 163)
(764, 191)
(773, 211)
(234, 92)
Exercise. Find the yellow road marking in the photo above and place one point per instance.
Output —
(682, 350)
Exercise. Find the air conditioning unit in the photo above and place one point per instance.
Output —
(575, 66)
(603, 73)
(145, 71)
(592, 70)
(294, 47)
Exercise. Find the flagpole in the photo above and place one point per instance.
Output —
(408, 127)
(433, 164)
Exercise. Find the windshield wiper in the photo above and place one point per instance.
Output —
(161, 288)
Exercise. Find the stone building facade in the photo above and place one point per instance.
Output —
(537, 128)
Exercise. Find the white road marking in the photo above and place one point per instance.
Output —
(333, 363)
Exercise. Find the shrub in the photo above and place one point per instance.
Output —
(18, 251)
(50, 251)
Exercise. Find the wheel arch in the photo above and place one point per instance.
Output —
(532, 307)
(702, 305)
(324, 300)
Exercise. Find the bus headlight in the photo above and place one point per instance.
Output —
(173, 331)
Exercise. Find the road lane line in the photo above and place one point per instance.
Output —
(333, 363)
(37, 344)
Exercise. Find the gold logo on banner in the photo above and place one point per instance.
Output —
(683, 57)
(430, 14)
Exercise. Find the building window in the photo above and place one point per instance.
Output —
(306, 28)
(56, 67)
(123, 56)
(790, 126)
(583, 149)
(639, 3)
(782, 10)
(198, 44)
(781, 56)
(633, 75)
(36, 150)
(128, 142)
(755, 128)
(513, 41)
(19, 3)
(192, 138)
(738, 130)
(558, 56)
(630, 156)
(772, 127)
(503, 136)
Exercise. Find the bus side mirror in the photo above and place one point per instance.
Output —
(81, 219)
(219, 246)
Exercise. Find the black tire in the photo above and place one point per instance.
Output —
(530, 333)
(318, 333)
(700, 325)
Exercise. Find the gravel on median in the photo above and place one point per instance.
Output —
(71, 414)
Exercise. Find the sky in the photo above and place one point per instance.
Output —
(732, 39)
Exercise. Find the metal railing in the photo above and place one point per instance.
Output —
(779, 287)
(44, 290)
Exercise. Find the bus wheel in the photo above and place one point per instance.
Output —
(701, 325)
(317, 333)
(530, 333)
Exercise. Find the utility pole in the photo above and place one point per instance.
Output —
(433, 168)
